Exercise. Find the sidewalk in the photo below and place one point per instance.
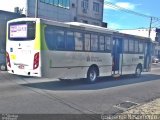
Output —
(148, 111)
(152, 107)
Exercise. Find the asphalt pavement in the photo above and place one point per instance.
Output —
(29, 95)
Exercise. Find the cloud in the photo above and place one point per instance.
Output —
(114, 26)
(11, 4)
(109, 7)
(110, 0)
(126, 5)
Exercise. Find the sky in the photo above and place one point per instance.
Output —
(9, 5)
(115, 18)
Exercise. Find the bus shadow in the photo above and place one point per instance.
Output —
(103, 83)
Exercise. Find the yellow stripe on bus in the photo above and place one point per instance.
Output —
(40, 43)
(37, 44)
(44, 45)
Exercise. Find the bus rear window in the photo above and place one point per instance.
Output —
(20, 31)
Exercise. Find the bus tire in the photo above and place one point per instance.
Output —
(138, 71)
(92, 74)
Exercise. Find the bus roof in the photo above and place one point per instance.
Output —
(124, 35)
(81, 26)
(74, 25)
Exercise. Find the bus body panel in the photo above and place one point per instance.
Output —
(130, 62)
(69, 65)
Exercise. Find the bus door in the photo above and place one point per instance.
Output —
(147, 56)
(117, 55)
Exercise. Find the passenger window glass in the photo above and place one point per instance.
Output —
(87, 38)
(101, 43)
(107, 43)
(94, 42)
(50, 38)
(60, 39)
(136, 46)
(125, 45)
(54, 38)
(70, 45)
(141, 47)
(78, 41)
(131, 45)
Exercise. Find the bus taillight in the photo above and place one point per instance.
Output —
(36, 61)
(8, 59)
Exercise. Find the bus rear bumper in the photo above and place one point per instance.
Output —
(26, 73)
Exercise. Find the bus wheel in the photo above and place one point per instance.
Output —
(138, 71)
(92, 75)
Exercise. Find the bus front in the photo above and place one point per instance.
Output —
(23, 47)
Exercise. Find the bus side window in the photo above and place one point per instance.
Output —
(50, 37)
(131, 45)
(78, 41)
(87, 38)
(141, 47)
(126, 49)
(70, 45)
(59, 36)
(101, 43)
(94, 42)
(107, 43)
(136, 46)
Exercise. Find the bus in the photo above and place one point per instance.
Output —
(71, 50)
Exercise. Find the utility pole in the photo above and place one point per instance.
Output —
(36, 9)
(150, 27)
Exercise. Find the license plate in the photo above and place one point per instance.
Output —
(21, 66)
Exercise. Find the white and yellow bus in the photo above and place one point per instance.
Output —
(38, 47)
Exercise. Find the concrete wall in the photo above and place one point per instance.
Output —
(74, 13)
(48, 11)
(91, 16)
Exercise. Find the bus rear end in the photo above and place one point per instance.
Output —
(23, 47)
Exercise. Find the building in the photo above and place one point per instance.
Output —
(86, 11)
(4, 17)
(154, 35)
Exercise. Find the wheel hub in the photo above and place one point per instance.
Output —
(92, 75)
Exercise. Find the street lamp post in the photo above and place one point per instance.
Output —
(36, 9)
(150, 27)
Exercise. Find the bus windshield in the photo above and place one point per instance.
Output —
(21, 31)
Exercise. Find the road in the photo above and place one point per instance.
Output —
(29, 95)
